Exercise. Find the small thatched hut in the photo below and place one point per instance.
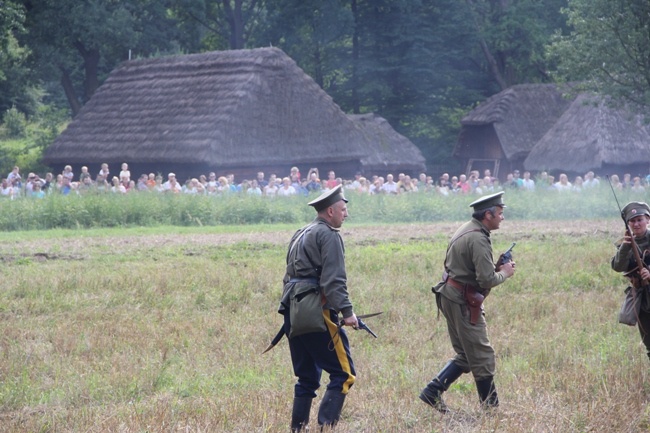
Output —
(388, 150)
(500, 132)
(239, 112)
(592, 135)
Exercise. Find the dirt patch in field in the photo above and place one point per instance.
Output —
(77, 248)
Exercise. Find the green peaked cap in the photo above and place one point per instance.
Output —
(488, 201)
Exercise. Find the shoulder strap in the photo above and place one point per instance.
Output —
(292, 255)
(451, 242)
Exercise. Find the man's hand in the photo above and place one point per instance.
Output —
(645, 274)
(508, 269)
(351, 321)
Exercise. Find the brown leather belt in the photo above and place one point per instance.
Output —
(457, 284)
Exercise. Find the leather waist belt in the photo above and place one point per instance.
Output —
(312, 280)
(458, 285)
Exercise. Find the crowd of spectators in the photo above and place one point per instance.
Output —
(65, 183)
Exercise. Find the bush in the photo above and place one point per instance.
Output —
(15, 123)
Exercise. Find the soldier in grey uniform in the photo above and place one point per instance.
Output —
(469, 275)
(637, 217)
(316, 267)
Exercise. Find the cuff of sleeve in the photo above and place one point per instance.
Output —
(347, 312)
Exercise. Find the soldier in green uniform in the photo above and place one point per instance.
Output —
(315, 292)
(637, 217)
(469, 275)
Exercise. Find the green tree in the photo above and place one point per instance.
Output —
(414, 68)
(18, 87)
(512, 36)
(608, 49)
(80, 41)
(316, 34)
(222, 24)
(418, 63)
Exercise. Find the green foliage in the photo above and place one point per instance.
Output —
(15, 123)
(40, 131)
(418, 63)
(515, 34)
(79, 43)
(607, 49)
(18, 86)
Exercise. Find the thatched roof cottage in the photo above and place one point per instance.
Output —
(237, 112)
(500, 132)
(593, 135)
(388, 150)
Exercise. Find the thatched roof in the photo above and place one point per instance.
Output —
(590, 134)
(387, 149)
(520, 116)
(227, 108)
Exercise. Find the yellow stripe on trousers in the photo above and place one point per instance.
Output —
(340, 351)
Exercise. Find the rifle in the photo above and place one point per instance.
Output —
(505, 257)
(640, 264)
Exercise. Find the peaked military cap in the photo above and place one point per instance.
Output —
(634, 209)
(488, 201)
(328, 198)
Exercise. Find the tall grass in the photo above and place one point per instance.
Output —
(106, 331)
(144, 209)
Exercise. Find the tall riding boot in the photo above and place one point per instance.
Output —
(432, 394)
(487, 393)
(300, 413)
(330, 408)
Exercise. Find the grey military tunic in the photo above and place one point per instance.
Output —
(321, 255)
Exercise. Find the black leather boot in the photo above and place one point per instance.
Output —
(487, 393)
(432, 394)
(300, 414)
(330, 408)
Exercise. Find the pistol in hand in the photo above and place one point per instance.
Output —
(505, 257)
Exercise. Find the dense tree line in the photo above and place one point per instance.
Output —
(419, 63)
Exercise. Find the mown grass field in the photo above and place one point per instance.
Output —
(161, 330)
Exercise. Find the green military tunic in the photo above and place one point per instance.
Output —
(469, 261)
(624, 261)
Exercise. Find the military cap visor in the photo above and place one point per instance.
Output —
(488, 201)
(328, 198)
(634, 209)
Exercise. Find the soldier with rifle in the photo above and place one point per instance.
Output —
(469, 274)
(630, 259)
(315, 292)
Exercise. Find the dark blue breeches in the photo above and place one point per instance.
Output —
(317, 351)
